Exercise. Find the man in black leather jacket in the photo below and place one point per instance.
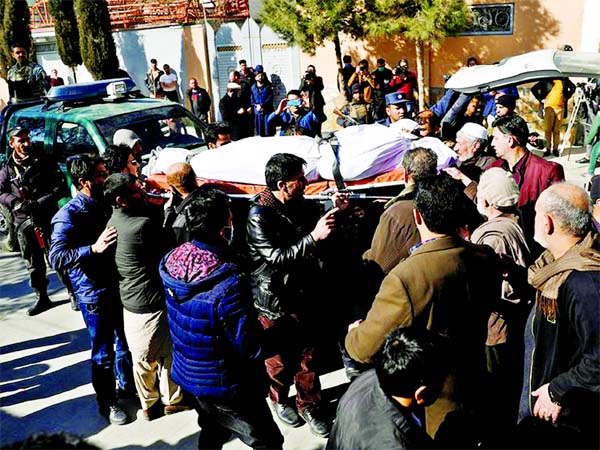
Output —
(283, 244)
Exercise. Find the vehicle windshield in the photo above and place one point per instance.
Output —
(165, 126)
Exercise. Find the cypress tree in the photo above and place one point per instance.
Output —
(15, 29)
(67, 33)
(5, 59)
(96, 41)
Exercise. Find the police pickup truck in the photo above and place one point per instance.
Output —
(82, 118)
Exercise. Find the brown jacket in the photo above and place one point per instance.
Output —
(396, 233)
(448, 286)
(505, 236)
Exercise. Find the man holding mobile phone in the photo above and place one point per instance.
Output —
(294, 109)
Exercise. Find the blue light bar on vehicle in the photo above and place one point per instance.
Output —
(83, 91)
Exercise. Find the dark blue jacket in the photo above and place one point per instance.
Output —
(217, 338)
(75, 227)
(262, 96)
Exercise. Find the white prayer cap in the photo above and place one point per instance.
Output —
(474, 131)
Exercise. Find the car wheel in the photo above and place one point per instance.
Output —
(8, 235)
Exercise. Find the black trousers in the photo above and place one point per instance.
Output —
(33, 254)
(246, 417)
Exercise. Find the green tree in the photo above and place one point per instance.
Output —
(96, 41)
(309, 23)
(5, 59)
(425, 22)
(15, 29)
(67, 33)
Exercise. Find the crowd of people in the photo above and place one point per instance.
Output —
(180, 318)
(471, 321)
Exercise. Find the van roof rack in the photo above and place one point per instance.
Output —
(110, 89)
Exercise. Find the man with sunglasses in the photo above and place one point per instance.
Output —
(31, 184)
(26, 80)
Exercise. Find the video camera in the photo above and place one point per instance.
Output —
(399, 70)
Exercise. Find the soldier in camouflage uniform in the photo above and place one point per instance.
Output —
(357, 112)
(26, 80)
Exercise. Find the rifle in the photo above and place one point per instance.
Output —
(340, 114)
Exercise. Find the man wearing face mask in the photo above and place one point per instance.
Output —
(218, 345)
(31, 184)
(382, 76)
(144, 313)
(82, 245)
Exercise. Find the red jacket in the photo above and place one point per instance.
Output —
(533, 175)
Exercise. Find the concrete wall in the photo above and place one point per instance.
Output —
(537, 24)
(136, 47)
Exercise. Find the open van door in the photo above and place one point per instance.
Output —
(532, 66)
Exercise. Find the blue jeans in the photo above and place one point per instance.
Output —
(110, 354)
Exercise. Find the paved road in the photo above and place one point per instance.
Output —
(45, 375)
(45, 379)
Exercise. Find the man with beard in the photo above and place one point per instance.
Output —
(139, 249)
(234, 112)
(262, 102)
(471, 142)
(31, 184)
(284, 243)
(82, 246)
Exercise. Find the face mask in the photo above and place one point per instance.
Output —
(380, 69)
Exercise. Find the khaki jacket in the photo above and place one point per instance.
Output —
(448, 286)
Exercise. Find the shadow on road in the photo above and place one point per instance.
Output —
(26, 375)
(78, 416)
(17, 295)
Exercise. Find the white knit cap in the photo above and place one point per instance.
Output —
(126, 137)
(499, 188)
(473, 130)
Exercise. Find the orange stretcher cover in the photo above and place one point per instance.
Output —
(159, 180)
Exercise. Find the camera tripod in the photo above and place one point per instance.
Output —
(580, 98)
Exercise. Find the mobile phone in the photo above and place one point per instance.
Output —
(296, 102)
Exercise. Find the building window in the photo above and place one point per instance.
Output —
(46, 47)
(491, 19)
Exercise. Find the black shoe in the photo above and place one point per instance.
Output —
(74, 303)
(114, 414)
(154, 412)
(287, 414)
(41, 304)
(130, 394)
(584, 160)
(317, 426)
(556, 153)
(547, 153)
